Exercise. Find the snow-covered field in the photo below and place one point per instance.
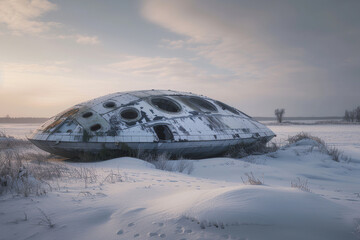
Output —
(344, 137)
(18, 130)
(304, 195)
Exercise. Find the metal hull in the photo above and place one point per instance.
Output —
(199, 149)
(154, 121)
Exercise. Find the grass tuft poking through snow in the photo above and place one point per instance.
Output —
(163, 162)
(31, 172)
(301, 184)
(113, 177)
(8, 142)
(258, 148)
(332, 151)
(20, 177)
(303, 135)
(45, 219)
(252, 180)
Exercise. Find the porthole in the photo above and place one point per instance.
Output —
(130, 114)
(109, 104)
(69, 131)
(166, 104)
(95, 127)
(87, 114)
(202, 103)
(227, 107)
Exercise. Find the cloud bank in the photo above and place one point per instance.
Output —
(293, 54)
(21, 16)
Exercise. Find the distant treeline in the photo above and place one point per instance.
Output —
(352, 115)
(41, 120)
(296, 118)
(22, 120)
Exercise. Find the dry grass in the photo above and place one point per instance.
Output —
(8, 142)
(27, 172)
(45, 219)
(113, 177)
(34, 174)
(303, 135)
(185, 166)
(163, 162)
(323, 147)
(257, 148)
(301, 184)
(88, 175)
(2, 134)
(203, 224)
(252, 180)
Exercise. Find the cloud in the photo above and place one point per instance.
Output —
(229, 41)
(81, 39)
(271, 50)
(172, 44)
(139, 72)
(47, 88)
(226, 41)
(91, 40)
(155, 68)
(22, 16)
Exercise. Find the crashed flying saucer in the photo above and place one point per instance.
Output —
(155, 121)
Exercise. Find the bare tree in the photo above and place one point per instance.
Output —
(347, 116)
(357, 114)
(352, 116)
(279, 113)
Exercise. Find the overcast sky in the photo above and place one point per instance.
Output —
(303, 56)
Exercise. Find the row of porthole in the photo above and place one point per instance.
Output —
(162, 103)
(127, 114)
(169, 105)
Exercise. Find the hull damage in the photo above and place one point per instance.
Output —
(152, 121)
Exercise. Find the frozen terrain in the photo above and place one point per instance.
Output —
(303, 194)
(344, 137)
(18, 130)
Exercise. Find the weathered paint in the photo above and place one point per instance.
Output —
(197, 130)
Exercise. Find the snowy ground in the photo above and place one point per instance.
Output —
(127, 198)
(344, 137)
(18, 130)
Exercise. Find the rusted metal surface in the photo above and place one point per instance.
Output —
(60, 118)
(153, 120)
